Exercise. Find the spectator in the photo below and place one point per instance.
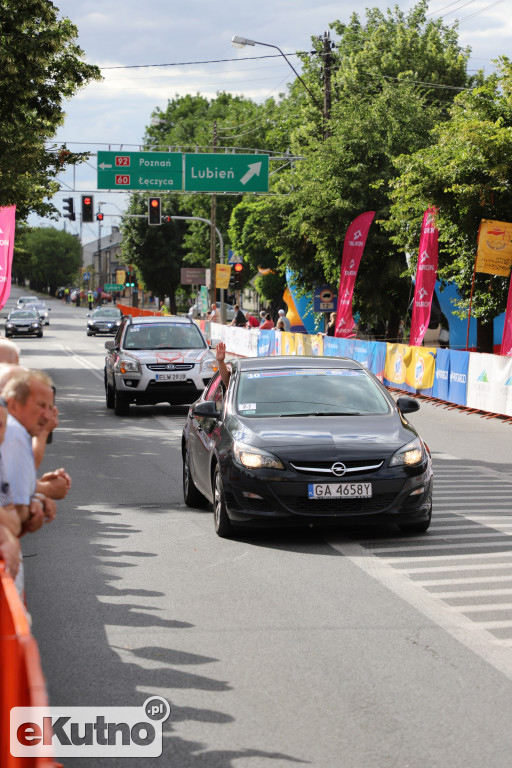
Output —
(331, 325)
(10, 553)
(220, 354)
(268, 324)
(212, 315)
(252, 322)
(239, 319)
(282, 316)
(280, 326)
(9, 352)
(262, 317)
(10, 524)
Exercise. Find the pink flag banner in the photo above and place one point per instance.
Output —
(426, 274)
(7, 225)
(506, 342)
(353, 248)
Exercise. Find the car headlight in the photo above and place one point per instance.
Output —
(411, 454)
(255, 458)
(126, 365)
(209, 365)
(35, 325)
(8, 325)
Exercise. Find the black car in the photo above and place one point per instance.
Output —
(23, 322)
(104, 320)
(301, 440)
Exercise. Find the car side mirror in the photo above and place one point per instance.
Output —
(407, 404)
(110, 344)
(206, 408)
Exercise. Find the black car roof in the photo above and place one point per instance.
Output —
(294, 362)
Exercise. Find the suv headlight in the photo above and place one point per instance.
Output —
(126, 365)
(254, 458)
(410, 455)
(209, 365)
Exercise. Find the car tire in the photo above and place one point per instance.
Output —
(39, 335)
(90, 333)
(191, 496)
(121, 404)
(109, 395)
(222, 523)
(421, 527)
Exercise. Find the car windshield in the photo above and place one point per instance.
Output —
(24, 314)
(309, 392)
(37, 305)
(107, 314)
(163, 336)
(27, 300)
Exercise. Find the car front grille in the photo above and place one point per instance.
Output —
(170, 366)
(358, 466)
(338, 507)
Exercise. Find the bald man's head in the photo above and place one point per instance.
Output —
(9, 352)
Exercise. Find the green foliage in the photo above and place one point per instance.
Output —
(49, 257)
(40, 66)
(466, 171)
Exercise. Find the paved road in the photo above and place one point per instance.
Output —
(354, 648)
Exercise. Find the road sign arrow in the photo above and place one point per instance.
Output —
(254, 170)
(104, 165)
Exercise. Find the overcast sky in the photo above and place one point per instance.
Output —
(194, 37)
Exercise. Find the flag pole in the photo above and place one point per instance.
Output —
(470, 302)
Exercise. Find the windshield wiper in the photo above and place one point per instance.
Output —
(321, 413)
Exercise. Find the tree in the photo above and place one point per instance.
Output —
(466, 172)
(384, 103)
(54, 258)
(40, 66)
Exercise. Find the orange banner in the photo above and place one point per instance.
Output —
(222, 275)
(494, 254)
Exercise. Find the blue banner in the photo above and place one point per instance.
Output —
(442, 375)
(459, 366)
(265, 343)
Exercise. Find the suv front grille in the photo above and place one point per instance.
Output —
(170, 366)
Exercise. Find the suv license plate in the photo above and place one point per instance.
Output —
(170, 376)
(339, 490)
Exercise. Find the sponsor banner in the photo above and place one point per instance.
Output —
(353, 247)
(287, 342)
(394, 368)
(442, 375)
(426, 273)
(494, 253)
(266, 343)
(372, 354)
(7, 227)
(459, 364)
(410, 368)
(506, 342)
(313, 345)
(490, 383)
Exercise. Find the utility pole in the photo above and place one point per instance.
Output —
(327, 70)
(213, 217)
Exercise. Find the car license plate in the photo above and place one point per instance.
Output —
(170, 376)
(339, 490)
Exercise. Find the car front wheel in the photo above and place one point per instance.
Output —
(191, 496)
(121, 404)
(223, 526)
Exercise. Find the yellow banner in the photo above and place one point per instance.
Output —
(222, 275)
(420, 367)
(494, 254)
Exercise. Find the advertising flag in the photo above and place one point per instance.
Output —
(353, 247)
(494, 252)
(7, 225)
(426, 274)
(506, 342)
(222, 275)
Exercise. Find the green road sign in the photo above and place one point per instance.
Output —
(154, 171)
(226, 173)
(113, 287)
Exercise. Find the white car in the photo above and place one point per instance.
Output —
(42, 309)
(26, 300)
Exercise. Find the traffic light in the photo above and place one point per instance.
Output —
(154, 210)
(239, 271)
(130, 280)
(87, 208)
(69, 206)
(99, 217)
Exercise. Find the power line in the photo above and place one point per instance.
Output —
(476, 13)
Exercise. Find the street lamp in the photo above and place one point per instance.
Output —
(241, 42)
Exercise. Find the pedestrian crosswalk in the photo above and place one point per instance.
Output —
(465, 559)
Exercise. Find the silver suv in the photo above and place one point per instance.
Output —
(156, 360)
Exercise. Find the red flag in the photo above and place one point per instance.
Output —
(353, 247)
(7, 225)
(506, 342)
(426, 274)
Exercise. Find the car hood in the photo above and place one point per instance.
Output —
(22, 320)
(336, 437)
(154, 356)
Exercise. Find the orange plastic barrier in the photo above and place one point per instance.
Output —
(136, 312)
(21, 678)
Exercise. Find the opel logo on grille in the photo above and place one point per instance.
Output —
(170, 367)
(338, 469)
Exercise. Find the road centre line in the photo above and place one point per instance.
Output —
(459, 626)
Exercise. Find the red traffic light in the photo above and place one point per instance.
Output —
(87, 208)
(155, 202)
(99, 217)
(154, 210)
(239, 267)
(87, 200)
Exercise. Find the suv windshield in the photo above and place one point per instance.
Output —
(309, 392)
(163, 336)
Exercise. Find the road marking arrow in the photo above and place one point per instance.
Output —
(254, 170)
(104, 165)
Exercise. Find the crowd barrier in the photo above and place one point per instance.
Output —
(21, 678)
(472, 380)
